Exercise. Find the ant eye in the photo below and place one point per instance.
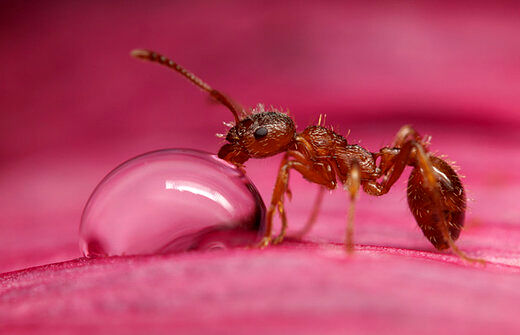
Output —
(260, 132)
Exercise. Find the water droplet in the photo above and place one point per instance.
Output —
(171, 201)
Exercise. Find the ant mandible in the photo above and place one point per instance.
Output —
(435, 193)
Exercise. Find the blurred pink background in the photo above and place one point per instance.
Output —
(73, 105)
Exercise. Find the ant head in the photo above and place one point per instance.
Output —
(261, 134)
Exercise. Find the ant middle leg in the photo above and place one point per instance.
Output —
(352, 184)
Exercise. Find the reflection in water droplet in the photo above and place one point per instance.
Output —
(171, 201)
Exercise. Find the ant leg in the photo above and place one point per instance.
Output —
(403, 134)
(314, 214)
(320, 173)
(395, 153)
(281, 210)
(352, 185)
(393, 163)
(317, 173)
(277, 198)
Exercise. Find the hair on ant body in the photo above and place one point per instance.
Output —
(435, 193)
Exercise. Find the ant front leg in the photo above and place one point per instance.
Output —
(317, 172)
(280, 188)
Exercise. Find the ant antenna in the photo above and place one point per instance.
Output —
(153, 56)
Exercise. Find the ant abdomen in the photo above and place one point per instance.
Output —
(452, 199)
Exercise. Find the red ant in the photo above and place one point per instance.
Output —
(436, 196)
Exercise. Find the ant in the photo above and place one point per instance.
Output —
(435, 193)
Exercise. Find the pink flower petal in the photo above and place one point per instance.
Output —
(74, 105)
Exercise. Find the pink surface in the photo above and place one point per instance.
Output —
(73, 105)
